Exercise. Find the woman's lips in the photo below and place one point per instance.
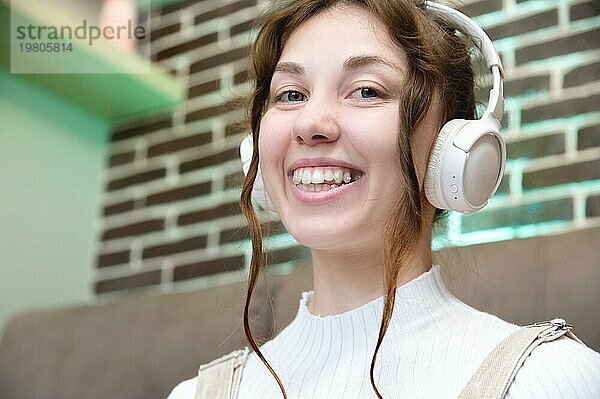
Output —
(323, 197)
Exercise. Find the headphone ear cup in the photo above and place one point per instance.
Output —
(259, 194)
(246, 149)
(432, 184)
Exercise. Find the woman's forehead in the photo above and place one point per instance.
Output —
(339, 34)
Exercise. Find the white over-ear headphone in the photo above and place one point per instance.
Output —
(467, 160)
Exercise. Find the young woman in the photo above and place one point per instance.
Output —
(349, 99)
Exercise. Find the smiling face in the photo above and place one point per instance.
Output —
(332, 117)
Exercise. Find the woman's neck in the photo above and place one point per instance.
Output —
(346, 280)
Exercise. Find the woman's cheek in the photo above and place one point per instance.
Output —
(375, 133)
(273, 144)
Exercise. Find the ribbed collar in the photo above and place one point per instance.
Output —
(418, 303)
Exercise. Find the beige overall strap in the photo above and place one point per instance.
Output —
(220, 379)
(498, 370)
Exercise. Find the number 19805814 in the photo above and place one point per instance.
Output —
(46, 47)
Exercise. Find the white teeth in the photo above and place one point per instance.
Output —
(329, 176)
(318, 187)
(306, 176)
(338, 175)
(347, 177)
(317, 176)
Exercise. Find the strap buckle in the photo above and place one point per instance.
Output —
(555, 327)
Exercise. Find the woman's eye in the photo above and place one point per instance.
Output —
(292, 96)
(366, 93)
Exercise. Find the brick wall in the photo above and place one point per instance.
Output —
(171, 219)
(551, 55)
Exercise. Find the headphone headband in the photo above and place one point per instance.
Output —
(483, 42)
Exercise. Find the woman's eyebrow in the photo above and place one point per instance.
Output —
(291, 68)
(352, 63)
(359, 61)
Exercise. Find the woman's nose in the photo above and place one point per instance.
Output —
(316, 123)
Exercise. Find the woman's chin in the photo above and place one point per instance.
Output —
(320, 235)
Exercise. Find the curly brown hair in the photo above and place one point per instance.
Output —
(439, 66)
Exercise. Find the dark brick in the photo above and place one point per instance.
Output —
(585, 10)
(179, 144)
(561, 109)
(187, 46)
(562, 174)
(536, 147)
(232, 208)
(235, 129)
(203, 88)
(588, 137)
(481, 7)
(502, 56)
(538, 212)
(164, 31)
(592, 206)
(524, 25)
(504, 187)
(130, 282)
(583, 74)
(241, 77)
(521, 86)
(121, 159)
(209, 160)
(207, 268)
(136, 179)
(179, 194)
(552, 48)
(235, 180)
(273, 228)
(189, 244)
(178, 5)
(239, 28)
(134, 229)
(233, 235)
(113, 258)
(119, 207)
(504, 121)
(206, 113)
(219, 59)
(141, 129)
(223, 11)
(287, 255)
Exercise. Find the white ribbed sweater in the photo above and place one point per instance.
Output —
(433, 346)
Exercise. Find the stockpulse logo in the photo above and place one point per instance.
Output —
(90, 33)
